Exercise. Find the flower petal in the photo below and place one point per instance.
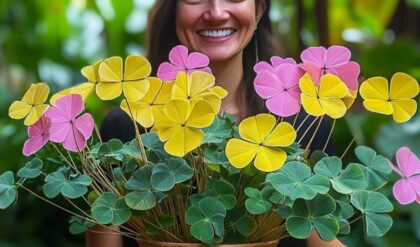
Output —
(269, 159)
(34, 144)
(197, 60)
(59, 131)
(108, 90)
(256, 128)
(168, 71)
(40, 127)
(403, 192)
(19, 110)
(71, 105)
(85, 124)
(136, 68)
(404, 110)
(284, 104)
(178, 110)
(178, 56)
(335, 108)
(200, 82)
(111, 70)
(240, 153)
(403, 86)
(375, 88)
(283, 135)
(135, 90)
(35, 114)
(184, 141)
(75, 141)
(312, 105)
(349, 73)
(267, 84)
(201, 116)
(337, 55)
(408, 162)
(314, 55)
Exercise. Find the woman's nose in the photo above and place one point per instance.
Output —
(216, 11)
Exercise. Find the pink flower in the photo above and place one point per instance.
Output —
(66, 128)
(407, 189)
(275, 62)
(280, 86)
(38, 134)
(180, 60)
(318, 61)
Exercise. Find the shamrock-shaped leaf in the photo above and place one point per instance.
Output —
(32, 169)
(154, 147)
(257, 203)
(113, 149)
(296, 181)
(108, 209)
(8, 191)
(143, 197)
(223, 191)
(79, 225)
(206, 219)
(310, 214)
(376, 166)
(217, 132)
(373, 205)
(166, 174)
(343, 181)
(69, 185)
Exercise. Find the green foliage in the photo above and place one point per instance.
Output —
(223, 191)
(296, 181)
(144, 196)
(258, 201)
(32, 169)
(313, 214)
(156, 225)
(220, 130)
(373, 205)
(376, 166)
(69, 185)
(206, 219)
(108, 209)
(154, 147)
(78, 225)
(166, 174)
(343, 181)
(8, 191)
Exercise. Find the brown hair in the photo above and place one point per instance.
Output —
(162, 38)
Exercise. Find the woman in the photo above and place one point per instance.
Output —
(234, 34)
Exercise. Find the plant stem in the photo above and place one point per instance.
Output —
(347, 149)
(138, 137)
(329, 136)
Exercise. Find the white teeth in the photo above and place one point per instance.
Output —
(216, 34)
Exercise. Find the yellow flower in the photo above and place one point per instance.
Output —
(398, 100)
(32, 104)
(142, 110)
(198, 86)
(179, 123)
(131, 80)
(262, 140)
(327, 98)
(85, 89)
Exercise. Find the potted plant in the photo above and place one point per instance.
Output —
(199, 177)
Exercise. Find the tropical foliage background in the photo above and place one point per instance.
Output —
(50, 40)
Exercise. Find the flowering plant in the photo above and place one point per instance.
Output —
(196, 175)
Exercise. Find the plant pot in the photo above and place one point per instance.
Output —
(147, 243)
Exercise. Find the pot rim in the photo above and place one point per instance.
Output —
(140, 240)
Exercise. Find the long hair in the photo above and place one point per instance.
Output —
(162, 38)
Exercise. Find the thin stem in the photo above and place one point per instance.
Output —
(301, 124)
(329, 136)
(307, 130)
(71, 212)
(62, 156)
(138, 138)
(98, 133)
(296, 118)
(347, 149)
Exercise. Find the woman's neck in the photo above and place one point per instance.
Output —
(229, 75)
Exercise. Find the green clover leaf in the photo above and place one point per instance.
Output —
(32, 169)
(343, 181)
(108, 209)
(166, 174)
(295, 180)
(70, 186)
(373, 205)
(376, 166)
(8, 191)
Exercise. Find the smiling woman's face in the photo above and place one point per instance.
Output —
(221, 29)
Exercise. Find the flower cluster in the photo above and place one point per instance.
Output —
(198, 175)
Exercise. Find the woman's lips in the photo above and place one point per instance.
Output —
(216, 36)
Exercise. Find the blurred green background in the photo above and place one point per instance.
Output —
(51, 40)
